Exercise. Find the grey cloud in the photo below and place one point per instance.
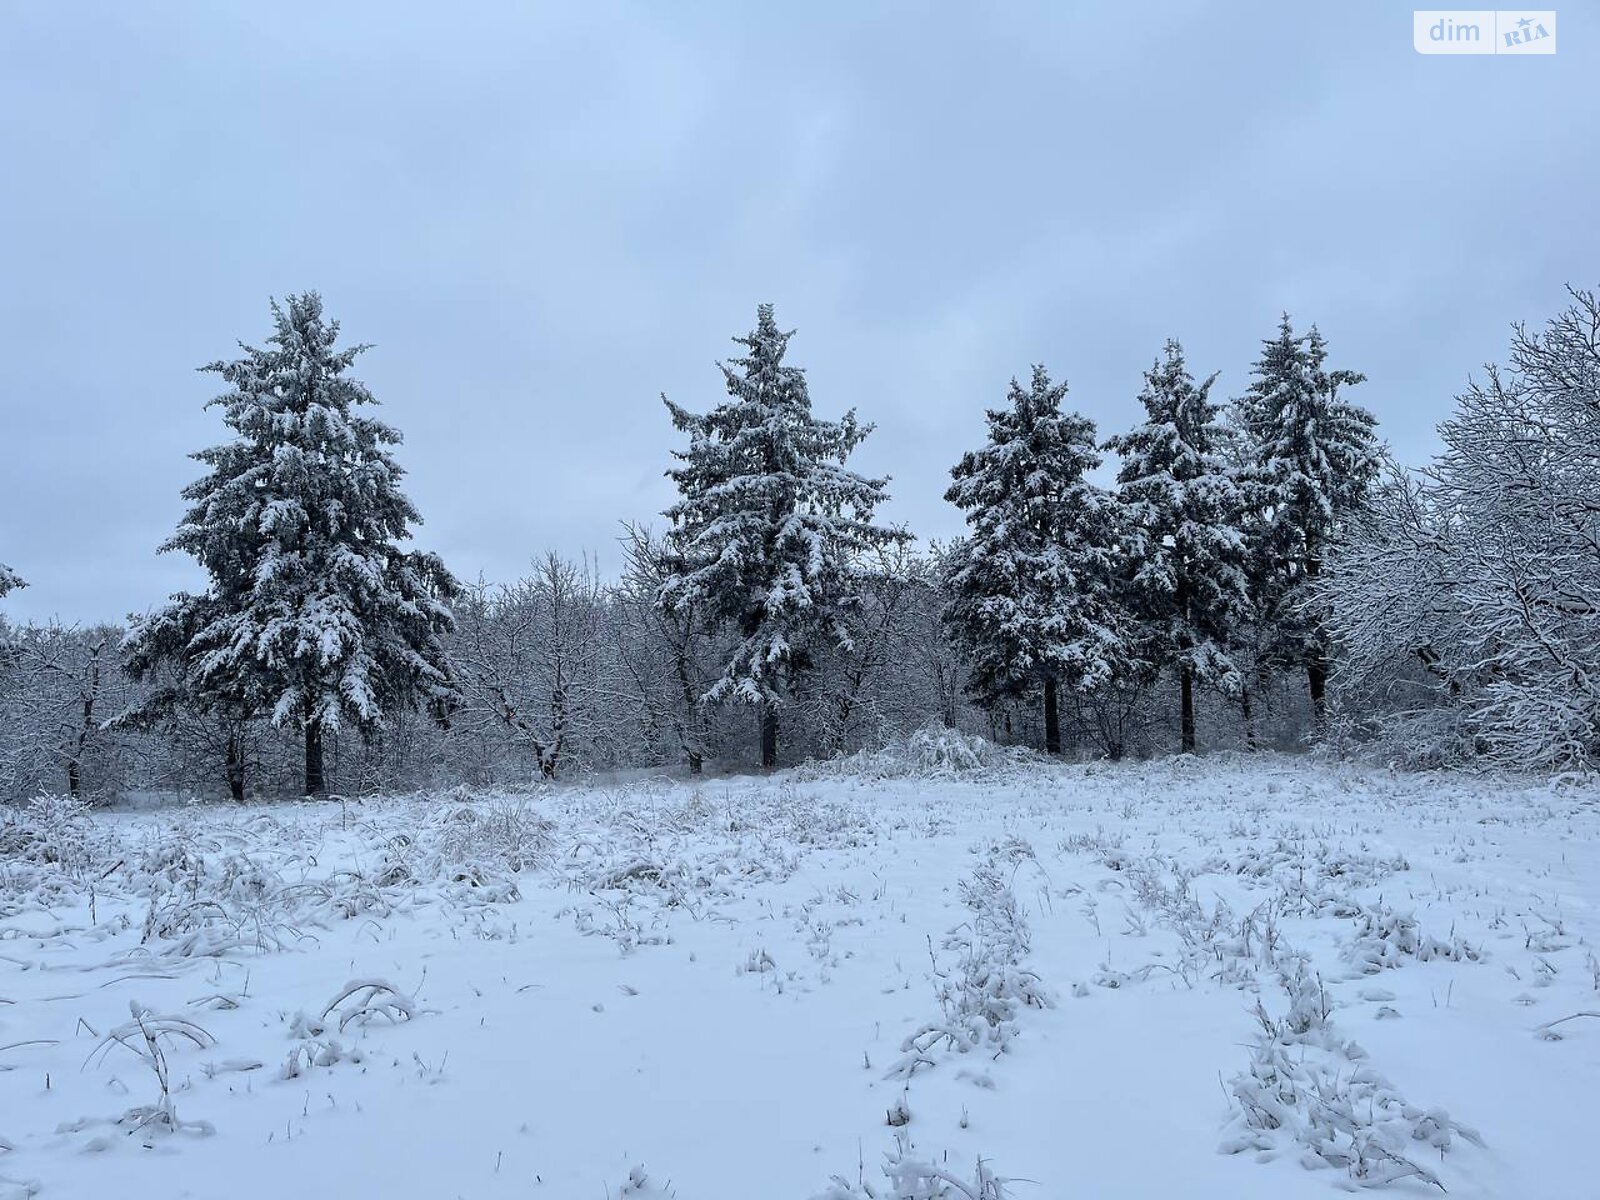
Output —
(544, 217)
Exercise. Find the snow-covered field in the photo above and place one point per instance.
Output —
(1213, 978)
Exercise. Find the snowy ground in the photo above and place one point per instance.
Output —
(1222, 978)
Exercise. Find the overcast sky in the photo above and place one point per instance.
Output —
(543, 216)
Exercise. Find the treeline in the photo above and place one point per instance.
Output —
(1258, 573)
(1466, 599)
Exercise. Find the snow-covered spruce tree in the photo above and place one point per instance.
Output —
(315, 615)
(1187, 586)
(1032, 585)
(770, 525)
(1314, 461)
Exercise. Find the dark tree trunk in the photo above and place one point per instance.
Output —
(74, 768)
(316, 782)
(1317, 661)
(1250, 740)
(235, 769)
(769, 736)
(1052, 719)
(1186, 688)
(691, 734)
(1317, 679)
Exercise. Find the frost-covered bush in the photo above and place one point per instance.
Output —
(1424, 739)
(1308, 1087)
(47, 846)
(932, 752)
(911, 1178)
(1385, 938)
(504, 830)
(150, 1038)
(316, 1038)
(477, 844)
(1465, 607)
(48, 828)
(982, 984)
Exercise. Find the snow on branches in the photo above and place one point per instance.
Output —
(770, 525)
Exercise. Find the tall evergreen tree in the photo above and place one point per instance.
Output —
(1032, 584)
(1186, 551)
(1316, 458)
(315, 615)
(770, 525)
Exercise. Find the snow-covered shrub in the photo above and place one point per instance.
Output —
(982, 985)
(48, 828)
(937, 750)
(1307, 1086)
(148, 1036)
(47, 847)
(185, 928)
(480, 846)
(1427, 739)
(499, 834)
(910, 1178)
(1385, 938)
(361, 1000)
(931, 752)
(1344, 1113)
(997, 918)
(1465, 603)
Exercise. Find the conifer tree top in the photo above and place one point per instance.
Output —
(1315, 450)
